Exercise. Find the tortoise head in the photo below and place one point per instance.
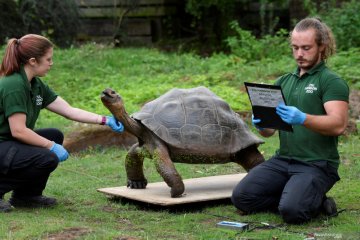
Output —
(111, 99)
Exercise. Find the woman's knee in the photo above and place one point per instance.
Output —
(53, 134)
(48, 161)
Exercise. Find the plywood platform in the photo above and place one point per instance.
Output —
(196, 190)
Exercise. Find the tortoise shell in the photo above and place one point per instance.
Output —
(196, 120)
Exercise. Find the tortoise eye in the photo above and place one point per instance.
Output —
(112, 92)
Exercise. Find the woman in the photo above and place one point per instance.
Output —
(28, 156)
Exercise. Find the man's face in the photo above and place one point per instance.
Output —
(305, 50)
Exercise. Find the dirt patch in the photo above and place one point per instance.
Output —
(68, 234)
(88, 135)
(354, 105)
(126, 238)
(354, 112)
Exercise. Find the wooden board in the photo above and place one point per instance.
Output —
(107, 27)
(196, 190)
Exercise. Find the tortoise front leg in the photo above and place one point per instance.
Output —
(134, 167)
(167, 170)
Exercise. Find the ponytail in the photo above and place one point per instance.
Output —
(10, 61)
(19, 51)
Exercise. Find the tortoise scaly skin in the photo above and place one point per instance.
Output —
(185, 126)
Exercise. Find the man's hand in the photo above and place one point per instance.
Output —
(290, 114)
(60, 152)
(114, 124)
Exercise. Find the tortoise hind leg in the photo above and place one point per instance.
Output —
(249, 157)
(134, 168)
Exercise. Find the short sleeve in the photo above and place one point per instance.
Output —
(14, 102)
(336, 89)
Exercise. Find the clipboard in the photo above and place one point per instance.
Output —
(264, 98)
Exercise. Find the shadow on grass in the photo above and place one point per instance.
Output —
(178, 208)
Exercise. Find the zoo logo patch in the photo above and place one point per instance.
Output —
(310, 88)
(39, 100)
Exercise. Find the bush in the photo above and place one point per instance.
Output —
(344, 22)
(248, 47)
(11, 24)
(55, 19)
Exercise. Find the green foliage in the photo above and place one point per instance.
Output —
(344, 22)
(345, 63)
(11, 24)
(55, 19)
(246, 46)
(314, 7)
(197, 8)
(342, 17)
(210, 20)
(268, 18)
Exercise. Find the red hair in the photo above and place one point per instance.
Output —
(19, 51)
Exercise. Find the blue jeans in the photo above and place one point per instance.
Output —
(293, 188)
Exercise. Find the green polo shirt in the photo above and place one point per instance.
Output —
(18, 95)
(309, 93)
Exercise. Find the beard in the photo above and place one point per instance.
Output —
(308, 63)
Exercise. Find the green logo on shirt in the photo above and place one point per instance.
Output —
(311, 88)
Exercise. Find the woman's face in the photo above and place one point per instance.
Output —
(43, 64)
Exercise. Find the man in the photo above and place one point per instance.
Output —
(295, 180)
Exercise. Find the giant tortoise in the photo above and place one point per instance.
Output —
(186, 126)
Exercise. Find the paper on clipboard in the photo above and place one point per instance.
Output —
(264, 98)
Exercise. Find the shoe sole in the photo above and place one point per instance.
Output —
(26, 204)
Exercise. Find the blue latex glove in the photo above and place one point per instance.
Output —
(290, 114)
(60, 152)
(114, 124)
(255, 122)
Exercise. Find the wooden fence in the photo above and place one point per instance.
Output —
(128, 21)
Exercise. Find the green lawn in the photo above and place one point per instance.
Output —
(80, 74)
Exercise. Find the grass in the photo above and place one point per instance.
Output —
(80, 74)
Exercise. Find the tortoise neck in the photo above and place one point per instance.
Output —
(129, 123)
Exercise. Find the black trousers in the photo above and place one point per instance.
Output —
(25, 169)
(293, 188)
